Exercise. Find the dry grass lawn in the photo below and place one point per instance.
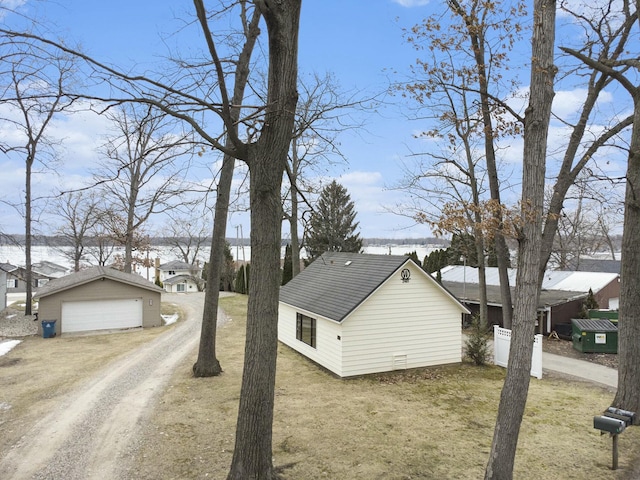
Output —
(433, 423)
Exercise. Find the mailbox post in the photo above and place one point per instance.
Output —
(614, 421)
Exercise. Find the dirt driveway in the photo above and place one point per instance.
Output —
(92, 431)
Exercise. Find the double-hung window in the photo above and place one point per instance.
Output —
(306, 329)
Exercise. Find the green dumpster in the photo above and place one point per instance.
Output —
(606, 314)
(594, 335)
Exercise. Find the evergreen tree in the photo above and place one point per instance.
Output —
(590, 303)
(414, 256)
(228, 269)
(332, 226)
(287, 267)
(227, 272)
(242, 279)
(436, 260)
(463, 247)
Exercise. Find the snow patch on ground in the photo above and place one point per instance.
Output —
(5, 347)
(169, 319)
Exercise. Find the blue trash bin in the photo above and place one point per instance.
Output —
(48, 328)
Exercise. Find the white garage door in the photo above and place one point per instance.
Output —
(101, 314)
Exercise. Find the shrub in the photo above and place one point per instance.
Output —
(476, 345)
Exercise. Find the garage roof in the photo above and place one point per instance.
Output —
(553, 279)
(91, 274)
(337, 282)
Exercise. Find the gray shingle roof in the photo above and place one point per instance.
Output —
(470, 293)
(7, 267)
(336, 282)
(178, 265)
(91, 274)
(178, 279)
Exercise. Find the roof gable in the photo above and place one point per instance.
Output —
(178, 265)
(49, 268)
(179, 279)
(91, 274)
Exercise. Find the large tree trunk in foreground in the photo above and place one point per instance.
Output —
(628, 394)
(252, 456)
(28, 240)
(207, 364)
(516, 385)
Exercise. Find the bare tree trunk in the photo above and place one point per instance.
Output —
(293, 219)
(252, 456)
(628, 393)
(516, 385)
(207, 364)
(27, 239)
(482, 282)
(295, 239)
(502, 251)
(128, 239)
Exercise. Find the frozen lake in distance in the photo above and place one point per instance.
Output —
(15, 255)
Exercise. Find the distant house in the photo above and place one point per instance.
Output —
(3, 289)
(358, 314)
(99, 298)
(50, 269)
(561, 298)
(15, 281)
(597, 265)
(180, 277)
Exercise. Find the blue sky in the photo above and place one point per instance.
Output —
(360, 42)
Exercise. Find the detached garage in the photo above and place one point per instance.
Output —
(358, 314)
(100, 298)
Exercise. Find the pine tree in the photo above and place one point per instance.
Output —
(287, 267)
(332, 226)
(242, 279)
(414, 256)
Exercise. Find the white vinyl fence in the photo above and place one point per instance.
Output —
(502, 343)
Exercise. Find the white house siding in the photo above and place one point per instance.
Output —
(189, 286)
(415, 321)
(328, 347)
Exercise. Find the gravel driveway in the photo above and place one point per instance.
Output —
(93, 430)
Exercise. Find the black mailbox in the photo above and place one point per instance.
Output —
(626, 415)
(608, 424)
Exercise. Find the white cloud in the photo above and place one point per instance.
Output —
(567, 103)
(411, 3)
(361, 179)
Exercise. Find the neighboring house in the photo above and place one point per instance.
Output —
(3, 289)
(15, 282)
(357, 314)
(100, 298)
(50, 269)
(561, 298)
(177, 276)
(597, 265)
